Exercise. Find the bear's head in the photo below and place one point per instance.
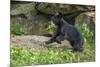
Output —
(56, 18)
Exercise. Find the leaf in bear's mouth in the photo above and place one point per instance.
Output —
(51, 26)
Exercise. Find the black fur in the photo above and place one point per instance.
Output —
(68, 32)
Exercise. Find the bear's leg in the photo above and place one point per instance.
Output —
(72, 43)
(53, 38)
(77, 47)
(59, 39)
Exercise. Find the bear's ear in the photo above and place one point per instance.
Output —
(60, 14)
(56, 13)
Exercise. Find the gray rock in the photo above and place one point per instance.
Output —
(35, 42)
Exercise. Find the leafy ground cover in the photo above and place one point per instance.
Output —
(20, 57)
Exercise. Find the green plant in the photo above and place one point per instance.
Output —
(51, 27)
(20, 57)
(17, 30)
(88, 35)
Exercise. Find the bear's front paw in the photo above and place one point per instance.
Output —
(78, 50)
(59, 42)
(48, 42)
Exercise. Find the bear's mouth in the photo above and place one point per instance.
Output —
(51, 22)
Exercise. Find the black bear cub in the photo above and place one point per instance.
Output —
(66, 31)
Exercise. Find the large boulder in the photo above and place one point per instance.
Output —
(32, 17)
(88, 18)
(50, 8)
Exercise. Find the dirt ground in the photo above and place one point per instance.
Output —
(35, 42)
